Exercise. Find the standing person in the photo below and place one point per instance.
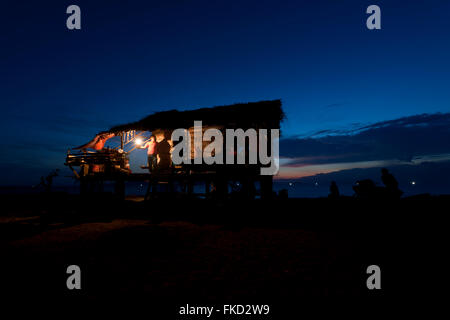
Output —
(48, 181)
(388, 180)
(150, 145)
(334, 190)
(391, 184)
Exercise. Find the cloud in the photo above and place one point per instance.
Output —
(402, 139)
(413, 140)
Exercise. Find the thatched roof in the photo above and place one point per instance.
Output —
(262, 114)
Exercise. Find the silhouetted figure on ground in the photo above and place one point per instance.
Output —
(334, 191)
(391, 184)
(48, 181)
(163, 150)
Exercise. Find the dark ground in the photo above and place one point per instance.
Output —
(169, 252)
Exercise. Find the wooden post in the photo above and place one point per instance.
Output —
(190, 186)
(119, 189)
(149, 188)
(207, 188)
(221, 183)
(266, 183)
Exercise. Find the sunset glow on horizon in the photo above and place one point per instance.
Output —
(292, 169)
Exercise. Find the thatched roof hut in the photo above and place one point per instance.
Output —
(262, 114)
(114, 163)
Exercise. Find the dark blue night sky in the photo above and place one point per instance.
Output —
(132, 58)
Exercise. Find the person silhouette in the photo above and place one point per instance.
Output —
(334, 190)
(390, 183)
(47, 182)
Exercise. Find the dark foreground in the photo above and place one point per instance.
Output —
(167, 253)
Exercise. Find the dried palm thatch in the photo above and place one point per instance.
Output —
(262, 114)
